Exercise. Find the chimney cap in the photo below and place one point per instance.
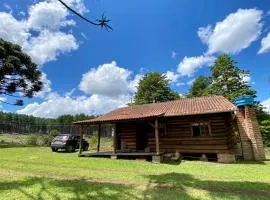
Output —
(244, 100)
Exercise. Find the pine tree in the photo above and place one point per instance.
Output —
(18, 74)
(227, 79)
(154, 87)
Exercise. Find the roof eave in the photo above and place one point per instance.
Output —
(95, 121)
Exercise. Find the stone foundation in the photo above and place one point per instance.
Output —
(226, 157)
(203, 158)
(157, 159)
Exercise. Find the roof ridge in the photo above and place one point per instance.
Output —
(181, 99)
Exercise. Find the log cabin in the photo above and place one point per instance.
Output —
(202, 126)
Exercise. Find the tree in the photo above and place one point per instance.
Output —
(199, 87)
(154, 87)
(18, 74)
(226, 79)
(265, 130)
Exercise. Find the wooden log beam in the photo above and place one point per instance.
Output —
(151, 124)
(82, 127)
(98, 142)
(114, 138)
(157, 136)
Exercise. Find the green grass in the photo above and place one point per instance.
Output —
(8, 140)
(37, 173)
(20, 140)
(267, 153)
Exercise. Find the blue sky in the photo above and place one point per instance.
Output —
(86, 69)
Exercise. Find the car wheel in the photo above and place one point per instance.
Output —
(54, 149)
(69, 148)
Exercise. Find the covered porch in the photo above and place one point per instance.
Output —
(127, 144)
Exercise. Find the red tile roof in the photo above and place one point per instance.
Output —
(187, 106)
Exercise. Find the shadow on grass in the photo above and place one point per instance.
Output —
(165, 186)
(40, 188)
(183, 185)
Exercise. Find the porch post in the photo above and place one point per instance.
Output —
(98, 142)
(81, 138)
(114, 138)
(157, 136)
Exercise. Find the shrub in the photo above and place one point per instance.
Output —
(93, 140)
(46, 139)
(32, 140)
(265, 130)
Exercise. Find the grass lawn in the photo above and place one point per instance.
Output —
(37, 173)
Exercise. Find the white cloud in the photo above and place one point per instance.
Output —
(51, 14)
(46, 86)
(13, 30)
(77, 5)
(180, 84)
(246, 78)
(189, 65)
(109, 86)
(84, 36)
(69, 94)
(182, 95)
(265, 44)
(132, 85)
(191, 81)
(8, 8)
(46, 18)
(173, 56)
(2, 100)
(47, 14)
(171, 76)
(266, 105)
(108, 80)
(59, 105)
(22, 13)
(235, 33)
(205, 33)
(48, 45)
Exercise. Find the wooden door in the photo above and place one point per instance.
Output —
(141, 136)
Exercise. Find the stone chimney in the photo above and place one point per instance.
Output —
(249, 130)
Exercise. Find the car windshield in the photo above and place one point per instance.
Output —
(61, 137)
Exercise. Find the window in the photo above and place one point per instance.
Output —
(162, 129)
(200, 129)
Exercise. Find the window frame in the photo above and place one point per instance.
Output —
(200, 124)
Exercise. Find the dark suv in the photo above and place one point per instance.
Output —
(68, 142)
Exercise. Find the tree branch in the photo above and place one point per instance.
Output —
(19, 102)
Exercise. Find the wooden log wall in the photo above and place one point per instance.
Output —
(178, 135)
(127, 133)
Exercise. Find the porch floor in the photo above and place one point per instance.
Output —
(119, 154)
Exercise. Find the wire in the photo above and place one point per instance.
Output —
(103, 22)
